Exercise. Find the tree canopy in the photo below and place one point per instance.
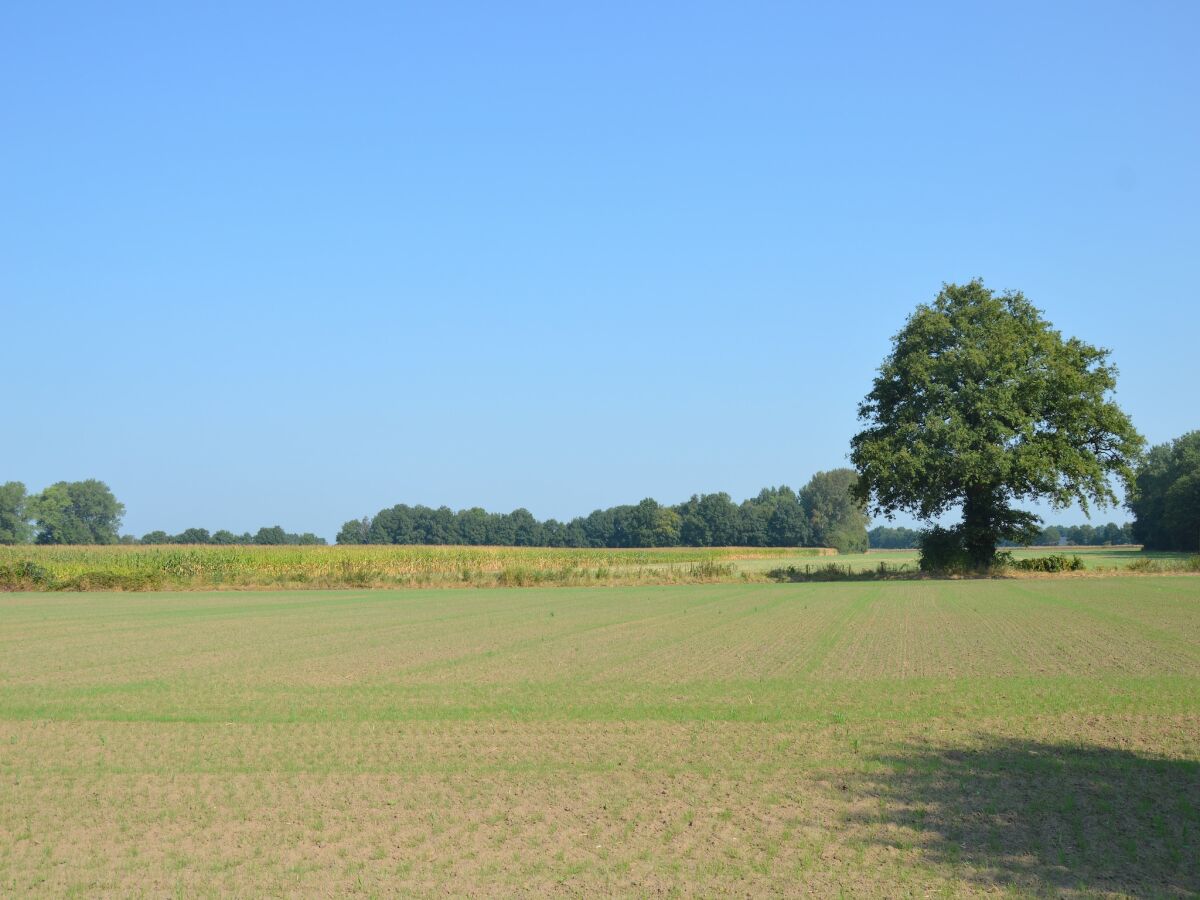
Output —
(14, 519)
(982, 404)
(271, 535)
(1166, 498)
(76, 512)
(822, 513)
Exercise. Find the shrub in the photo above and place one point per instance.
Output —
(836, 572)
(22, 574)
(1150, 565)
(1058, 562)
(943, 551)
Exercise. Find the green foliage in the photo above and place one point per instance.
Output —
(838, 518)
(837, 572)
(273, 535)
(356, 531)
(14, 519)
(943, 551)
(77, 512)
(982, 404)
(1085, 535)
(881, 537)
(824, 514)
(1057, 562)
(1150, 565)
(1166, 502)
(23, 574)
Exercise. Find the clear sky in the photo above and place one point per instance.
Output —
(292, 263)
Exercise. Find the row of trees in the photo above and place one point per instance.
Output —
(1086, 535)
(268, 536)
(883, 537)
(1166, 502)
(87, 512)
(68, 512)
(822, 513)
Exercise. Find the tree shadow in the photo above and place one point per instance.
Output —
(1042, 817)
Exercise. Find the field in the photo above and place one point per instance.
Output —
(216, 567)
(144, 568)
(1036, 736)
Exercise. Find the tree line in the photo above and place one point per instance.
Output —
(67, 512)
(266, 536)
(1166, 502)
(87, 512)
(822, 513)
(883, 537)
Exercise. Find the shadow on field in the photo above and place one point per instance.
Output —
(1046, 817)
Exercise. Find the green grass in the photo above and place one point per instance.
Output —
(1095, 559)
(1037, 736)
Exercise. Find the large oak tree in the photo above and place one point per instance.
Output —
(982, 404)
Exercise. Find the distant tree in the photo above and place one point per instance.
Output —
(574, 534)
(881, 537)
(356, 531)
(837, 516)
(1050, 536)
(156, 537)
(392, 526)
(193, 536)
(14, 518)
(501, 530)
(982, 404)
(272, 535)
(222, 536)
(1181, 513)
(650, 525)
(598, 528)
(789, 525)
(127, 539)
(77, 512)
(433, 526)
(1165, 499)
(473, 526)
(709, 520)
(554, 533)
(527, 531)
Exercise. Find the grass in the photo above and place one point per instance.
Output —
(1036, 736)
(1096, 560)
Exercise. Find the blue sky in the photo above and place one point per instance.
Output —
(292, 263)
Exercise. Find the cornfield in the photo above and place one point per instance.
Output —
(80, 568)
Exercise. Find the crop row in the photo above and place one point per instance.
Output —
(157, 567)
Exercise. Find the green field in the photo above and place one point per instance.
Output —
(923, 737)
(1095, 559)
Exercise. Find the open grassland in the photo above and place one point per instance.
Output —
(147, 568)
(879, 739)
(208, 567)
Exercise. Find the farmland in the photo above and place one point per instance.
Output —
(141, 568)
(882, 738)
(208, 567)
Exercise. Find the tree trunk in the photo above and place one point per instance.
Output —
(980, 533)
